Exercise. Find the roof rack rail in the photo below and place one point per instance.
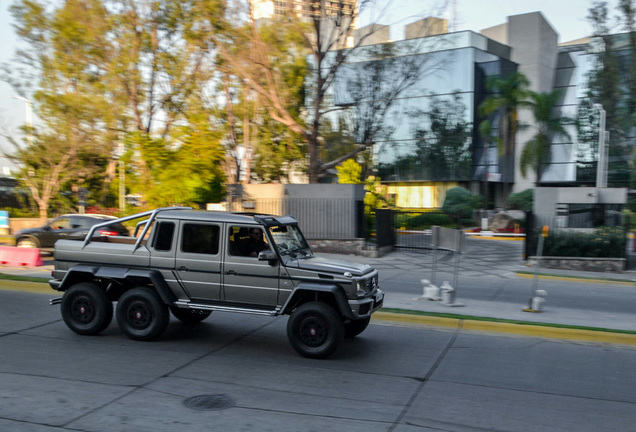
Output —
(151, 213)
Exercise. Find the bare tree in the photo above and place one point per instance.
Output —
(325, 31)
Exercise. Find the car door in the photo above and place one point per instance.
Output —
(57, 229)
(198, 260)
(246, 280)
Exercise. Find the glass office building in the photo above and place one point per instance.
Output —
(429, 138)
(427, 141)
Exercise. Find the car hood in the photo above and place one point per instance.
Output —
(323, 265)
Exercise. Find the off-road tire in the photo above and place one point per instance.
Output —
(86, 308)
(354, 328)
(189, 317)
(141, 314)
(315, 330)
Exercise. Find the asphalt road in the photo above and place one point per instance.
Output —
(391, 378)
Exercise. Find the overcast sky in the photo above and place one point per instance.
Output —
(567, 17)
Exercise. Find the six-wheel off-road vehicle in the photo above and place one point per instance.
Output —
(191, 263)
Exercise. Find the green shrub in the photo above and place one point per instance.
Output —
(459, 204)
(423, 220)
(21, 213)
(605, 242)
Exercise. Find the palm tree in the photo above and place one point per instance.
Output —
(508, 95)
(537, 153)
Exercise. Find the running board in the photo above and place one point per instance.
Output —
(210, 307)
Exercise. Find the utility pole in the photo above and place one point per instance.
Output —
(122, 178)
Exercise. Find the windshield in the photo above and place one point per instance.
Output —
(289, 240)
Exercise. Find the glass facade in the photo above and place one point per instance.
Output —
(574, 158)
(427, 133)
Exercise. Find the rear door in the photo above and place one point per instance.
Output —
(198, 259)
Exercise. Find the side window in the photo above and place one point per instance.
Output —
(247, 241)
(163, 239)
(199, 238)
(61, 223)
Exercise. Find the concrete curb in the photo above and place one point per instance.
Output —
(531, 330)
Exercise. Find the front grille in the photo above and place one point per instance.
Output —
(371, 284)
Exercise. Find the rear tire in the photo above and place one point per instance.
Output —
(27, 242)
(315, 330)
(86, 308)
(354, 328)
(189, 317)
(141, 314)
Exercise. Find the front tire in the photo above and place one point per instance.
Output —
(315, 330)
(141, 314)
(86, 308)
(189, 317)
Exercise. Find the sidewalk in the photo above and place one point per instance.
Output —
(494, 261)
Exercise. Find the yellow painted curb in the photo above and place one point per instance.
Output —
(498, 238)
(511, 328)
(23, 286)
(576, 279)
(417, 319)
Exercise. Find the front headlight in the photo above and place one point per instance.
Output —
(360, 291)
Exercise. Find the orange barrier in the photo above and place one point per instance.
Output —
(16, 256)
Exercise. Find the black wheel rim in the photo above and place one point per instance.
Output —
(138, 315)
(83, 309)
(313, 332)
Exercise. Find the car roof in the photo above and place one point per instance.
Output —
(215, 216)
(90, 215)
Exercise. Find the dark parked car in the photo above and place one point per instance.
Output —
(70, 226)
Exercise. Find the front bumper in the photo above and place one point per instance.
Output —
(363, 308)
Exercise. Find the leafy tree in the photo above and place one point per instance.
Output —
(537, 153)
(129, 72)
(349, 172)
(508, 95)
(67, 97)
(459, 203)
(324, 33)
(376, 196)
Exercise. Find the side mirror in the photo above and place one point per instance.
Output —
(267, 255)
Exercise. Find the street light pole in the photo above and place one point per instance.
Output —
(29, 117)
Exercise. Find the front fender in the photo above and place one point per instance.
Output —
(304, 289)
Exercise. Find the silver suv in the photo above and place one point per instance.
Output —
(194, 262)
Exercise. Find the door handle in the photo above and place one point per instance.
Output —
(183, 268)
(231, 272)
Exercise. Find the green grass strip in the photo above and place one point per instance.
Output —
(501, 320)
(23, 278)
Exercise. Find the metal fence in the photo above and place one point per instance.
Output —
(319, 218)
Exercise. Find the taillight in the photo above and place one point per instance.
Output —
(108, 233)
